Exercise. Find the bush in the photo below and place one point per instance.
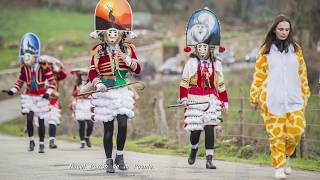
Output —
(246, 152)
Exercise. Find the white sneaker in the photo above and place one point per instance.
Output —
(279, 173)
(287, 168)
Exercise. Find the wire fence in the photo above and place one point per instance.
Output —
(247, 127)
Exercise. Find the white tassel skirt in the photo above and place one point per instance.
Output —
(36, 104)
(199, 115)
(107, 105)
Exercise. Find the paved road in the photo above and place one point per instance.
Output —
(71, 162)
(10, 109)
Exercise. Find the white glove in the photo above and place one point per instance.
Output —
(49, 91)
(128, 61)
(14, 90)
(183, 101)
(226, 106)
(100, 87)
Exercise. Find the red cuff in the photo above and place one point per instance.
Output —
(223, 96)
(183, 92)
(61, 74)
(138, 69)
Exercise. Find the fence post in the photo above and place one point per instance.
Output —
(302, 147)
(164, 128)
(241, 116)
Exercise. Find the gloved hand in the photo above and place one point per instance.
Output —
(101, 87)
(183, 102)
(46, 96)
(10, 93)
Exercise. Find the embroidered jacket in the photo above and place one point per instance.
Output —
(60, 75)
(35, 77)
(194, 81)
(103, 65)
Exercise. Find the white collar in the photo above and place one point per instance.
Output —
(207, 61)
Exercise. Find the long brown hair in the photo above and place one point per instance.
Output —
(271, 36)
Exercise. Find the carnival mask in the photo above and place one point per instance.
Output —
(29, 59)
(111, 36)
(202, 51)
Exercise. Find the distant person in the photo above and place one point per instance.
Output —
(280, 85)
(81, 107)
(202, 89)
(52, 118)
(36, 74)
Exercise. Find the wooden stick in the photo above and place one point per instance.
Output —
(180, 105)
(6, 91)
(115, 87)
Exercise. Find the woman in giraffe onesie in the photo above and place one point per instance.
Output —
(280, 85)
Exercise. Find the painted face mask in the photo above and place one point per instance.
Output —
(112, 36)
(29, 59)
(202, 51)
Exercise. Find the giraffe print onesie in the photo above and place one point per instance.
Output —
(280, 85)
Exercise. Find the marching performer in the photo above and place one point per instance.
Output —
(280, 85)
(53, 117)
(35, 74)
(81, 106)
(202, 88)
(112, 60)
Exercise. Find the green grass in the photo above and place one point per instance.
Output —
(54, 28)
(13, 127)
(160, 145)
(242, 34)
(7, 57)
(45, 23)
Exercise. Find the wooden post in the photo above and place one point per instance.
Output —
(178, 120)
(302, 146)
(164, 128)
(241, 116)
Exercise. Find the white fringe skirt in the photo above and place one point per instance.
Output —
(82, 109)
(36, 104)
(107, 105)
(53, 116)
(199, 115)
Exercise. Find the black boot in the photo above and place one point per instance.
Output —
(52, 145)
(88, 142)
(31, 145)
(120, 162)
(192, 156)
(41, 148)
(209, 163)
(82, 144)
(109, 166)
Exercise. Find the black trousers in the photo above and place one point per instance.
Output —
(52, 130)
(41, 128)
(121, 136)
(209, 136)
(83, 133)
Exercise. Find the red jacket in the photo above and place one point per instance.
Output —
(101, 64)
(42, 73)
(59, 76)
(196, 88)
